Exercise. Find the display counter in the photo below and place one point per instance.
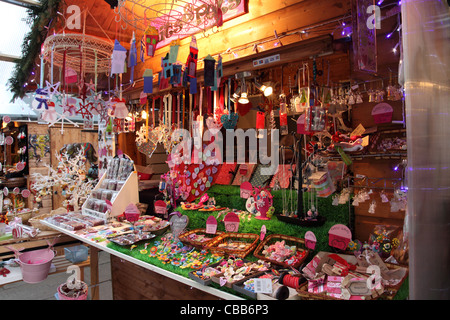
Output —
(133, 266)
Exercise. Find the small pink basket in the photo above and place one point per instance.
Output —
(35, 265)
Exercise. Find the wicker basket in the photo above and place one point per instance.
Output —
(289, 240)
(36, 220)
(184, 238)
(389, 291)
(249, 239)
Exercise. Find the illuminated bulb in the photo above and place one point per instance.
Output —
(243, 99)
(144, 114)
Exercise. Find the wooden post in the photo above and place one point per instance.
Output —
(94, 273)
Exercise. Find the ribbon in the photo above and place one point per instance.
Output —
(342, 264)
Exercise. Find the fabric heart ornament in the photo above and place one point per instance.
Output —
(188, 174)
(208, 184)
(197, 170)
(214, 170)
(200, 166)
(208, 172)
(188, 181)
(202, 187)
(204, 179)
(195, 185)
(194, 176)
(210, 179)
(229, 122)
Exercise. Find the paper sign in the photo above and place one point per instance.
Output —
(310, 240)
(231, 222)
(263, 285)
(211, 225)
(359, 130)
(339, 236)
(246, 189)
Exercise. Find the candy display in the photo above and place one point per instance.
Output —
(151, 224)
(236, 269)
(131, 238)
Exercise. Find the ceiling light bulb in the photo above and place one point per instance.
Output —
(243, 99)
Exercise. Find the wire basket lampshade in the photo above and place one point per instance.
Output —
(93, 53)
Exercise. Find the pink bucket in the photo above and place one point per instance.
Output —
(62, 296)
(35, 265)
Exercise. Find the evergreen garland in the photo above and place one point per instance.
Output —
(40, 18)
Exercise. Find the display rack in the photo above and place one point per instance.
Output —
(118, 191)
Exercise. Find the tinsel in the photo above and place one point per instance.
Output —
(40, 18)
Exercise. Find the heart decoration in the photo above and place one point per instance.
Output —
(178, 224)
(229, 122)
(198, 178)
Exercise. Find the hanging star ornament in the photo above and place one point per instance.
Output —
(83, 109)
(51, 89)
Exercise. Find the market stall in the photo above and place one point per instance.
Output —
(237, 159)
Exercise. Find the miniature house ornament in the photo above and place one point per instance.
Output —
(148, 81)
(151, 40)
(118, 57)
(191, 63)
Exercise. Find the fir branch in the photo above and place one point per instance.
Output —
(40, 19)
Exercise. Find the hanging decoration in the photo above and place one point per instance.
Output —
(191, 63)
(151, 40)
(118, 57)
(132, 57)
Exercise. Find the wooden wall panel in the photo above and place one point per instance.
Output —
(376, 168)
(58, 140)
(37, 164)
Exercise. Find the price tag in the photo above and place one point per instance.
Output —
(263, 285)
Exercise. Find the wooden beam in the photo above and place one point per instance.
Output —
(23, 3)
(8, 57)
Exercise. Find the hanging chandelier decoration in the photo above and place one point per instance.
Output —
(176, 19)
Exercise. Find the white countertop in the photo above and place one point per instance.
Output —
(102, 246)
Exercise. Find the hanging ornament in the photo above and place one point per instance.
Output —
(132, 57)
(118, 57)
(209, 70)
(40, 100)
(191, 63)
(49, 115)
(148, 81)
(151, 40)
(120, 109)
(70, 76)
(173, 50)
(83, 109)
